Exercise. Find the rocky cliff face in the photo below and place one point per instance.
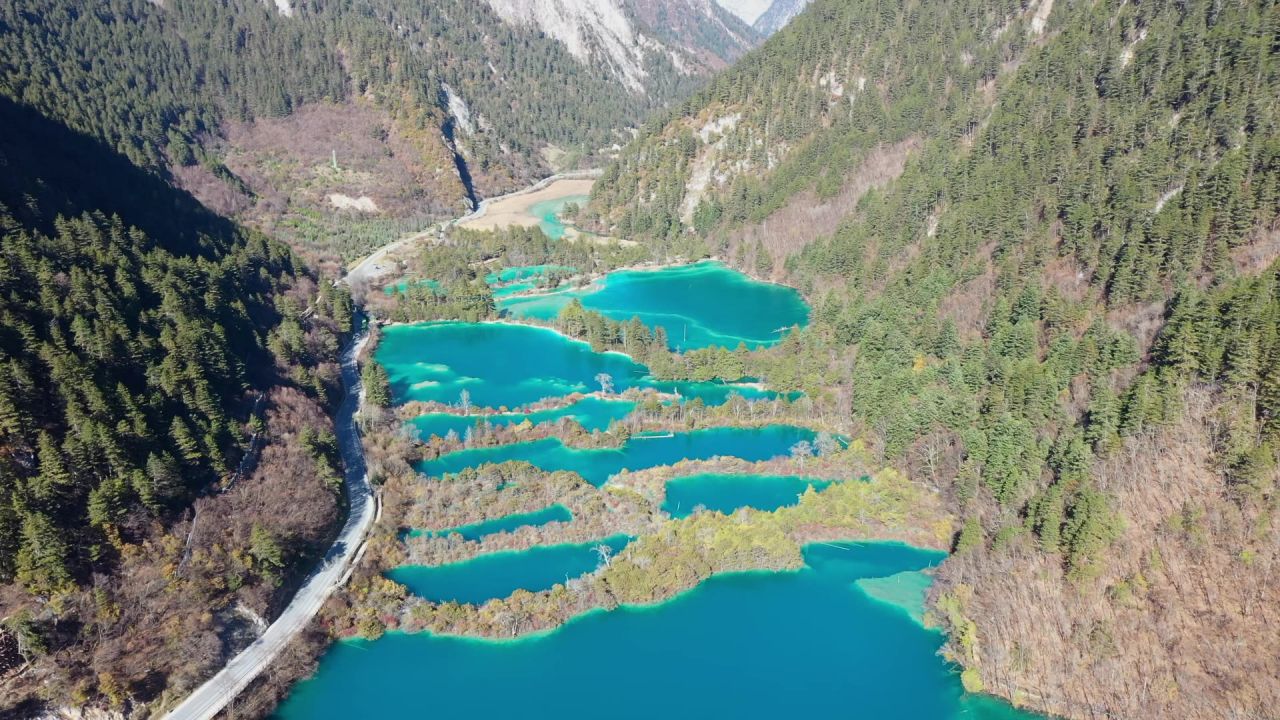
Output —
(778, 15)
(637, 39)
(748, 10)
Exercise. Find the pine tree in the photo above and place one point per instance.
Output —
(43, 563)
(377, 385)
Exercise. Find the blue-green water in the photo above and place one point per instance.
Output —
(513, 280)
(727, 493)
(807, 644)
(548, 213)
(514, 288)
(403, 286)
(505, 365)
(497, 575)
(906, 590)
(592, 413)
(523, 272)
(596, 465)
(698, 305)
(840, 638)
(507, 281)
(506, 523)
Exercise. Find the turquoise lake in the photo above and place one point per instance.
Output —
(592, 413)
(727, 493)
(506, 523)
(497, 575)
(507, 281)
(512, 280)
(403, 286)
(841, 638)
(506, 365)
(523, 272)
(806, 644)
(596, 465)
(699, 305)
(548, 213)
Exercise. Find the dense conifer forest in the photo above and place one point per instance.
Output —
(153, 80)
(1074, 263)
(1041, 241)
(154, 357)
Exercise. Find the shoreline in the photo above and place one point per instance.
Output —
(652, 606)
(355, 271)
(659, 604)
(482, 207)
(882, 509)
(480, 218)
(598, 278)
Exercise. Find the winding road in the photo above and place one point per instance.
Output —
(210, 698)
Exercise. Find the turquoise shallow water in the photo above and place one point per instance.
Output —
(596, 465)
(523, 272)
(506, 523)
(591, 412)
(512, 280)
(548, 213)
(906, 590)
(839, 639)
(497, 575)
(507, 281)
(807, 644)
(504, 365)
(698, 305)
(403, 286)
(727, 493)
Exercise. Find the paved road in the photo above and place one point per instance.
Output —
(209, 699)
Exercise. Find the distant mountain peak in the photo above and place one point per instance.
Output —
(624, 34)
(748, 10)
(778, 15)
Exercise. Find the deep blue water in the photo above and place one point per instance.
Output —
(505, 365)
(807, 644)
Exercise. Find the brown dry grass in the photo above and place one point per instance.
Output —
(1254, 257)
(286, 161)
(807, 217)
(513, 210)
(1184, 619)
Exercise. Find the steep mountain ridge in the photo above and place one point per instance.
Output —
(711, 38)
(812, 103)
(748, 10)
(778, 15)
(691, 35)
(466, 101)
(1042, 246)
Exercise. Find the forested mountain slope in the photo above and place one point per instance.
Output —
(842, 80)
(1042, 244)
(144, 342)
(356, 120)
